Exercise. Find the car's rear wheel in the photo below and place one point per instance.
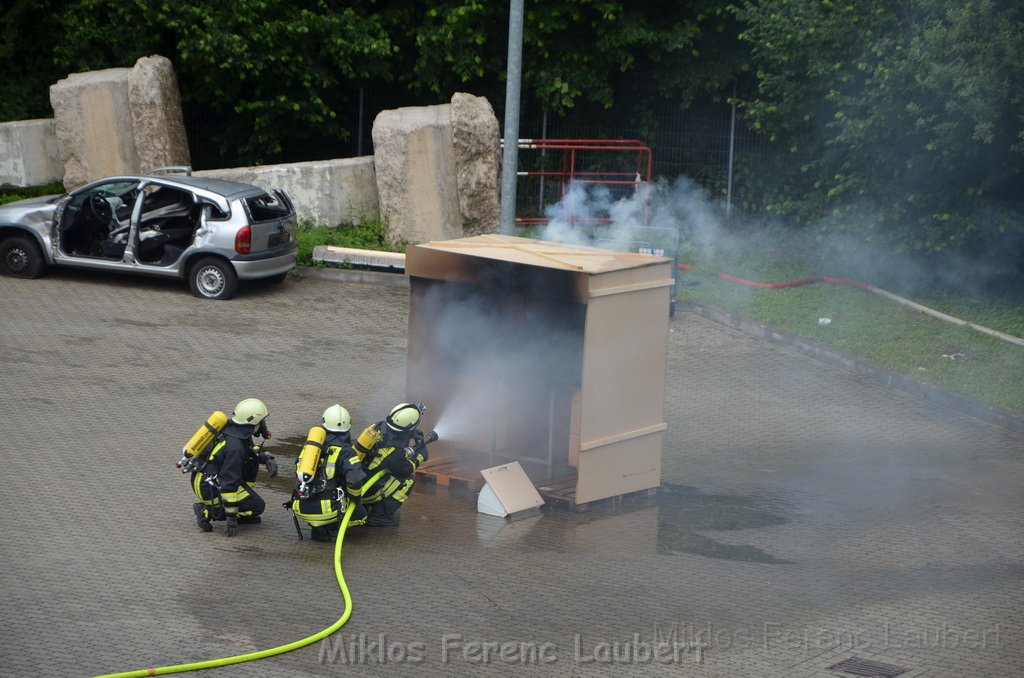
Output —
(213, 278)
(21, 257)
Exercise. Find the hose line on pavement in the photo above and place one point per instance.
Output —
(280, 649)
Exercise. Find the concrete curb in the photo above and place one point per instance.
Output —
(352, 275)
(866, 368)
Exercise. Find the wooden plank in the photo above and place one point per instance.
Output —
(456, 474)
(357, 257)
(452, 473)
(559, 492)
(436, 473)
(562, 493)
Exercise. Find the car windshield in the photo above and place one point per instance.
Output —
(115, 188)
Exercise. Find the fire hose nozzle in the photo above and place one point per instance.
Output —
(431, 437)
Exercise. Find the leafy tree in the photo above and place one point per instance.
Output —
(575, 52)
(279, 69)
(285, 73)
(26, 64)
(909, 112)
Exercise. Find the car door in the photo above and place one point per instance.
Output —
(91, 224)
(165, 221)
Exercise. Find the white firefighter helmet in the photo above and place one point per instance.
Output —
(404, 417)
(337, 419)
(249, 411)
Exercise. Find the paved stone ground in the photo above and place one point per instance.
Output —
(808, 516)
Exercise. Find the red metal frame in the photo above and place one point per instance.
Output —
(569, 173)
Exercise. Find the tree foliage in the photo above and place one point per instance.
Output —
(281, 71)
(26, 64)
(278, 69)
(907, 115)
(904, 118)
(574, 51)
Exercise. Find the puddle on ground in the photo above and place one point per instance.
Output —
(680, 520)
(138, 323)
(288, 447)
(677, 521)
(285, 451)
(684, 512)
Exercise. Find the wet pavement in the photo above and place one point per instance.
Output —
(807, 515)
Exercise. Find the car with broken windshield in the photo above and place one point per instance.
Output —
(210, 232)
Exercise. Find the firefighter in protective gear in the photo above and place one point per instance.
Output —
(222, 481)
(398, 447)
(338, 478)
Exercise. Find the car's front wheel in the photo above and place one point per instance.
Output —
(21, 257)
(213, 278)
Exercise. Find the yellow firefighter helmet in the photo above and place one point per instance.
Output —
(336, 419)
(404, 417)
(249, 411)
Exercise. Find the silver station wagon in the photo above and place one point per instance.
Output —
(167, 223)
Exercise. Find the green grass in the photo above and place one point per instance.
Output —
(367, 236)
(868, 325)
(12, 194)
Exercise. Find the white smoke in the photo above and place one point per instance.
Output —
(589, 214)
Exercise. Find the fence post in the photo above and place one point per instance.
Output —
(512, 87)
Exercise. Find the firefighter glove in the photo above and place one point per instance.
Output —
(232, 525)
(271, 463)
(416, 456)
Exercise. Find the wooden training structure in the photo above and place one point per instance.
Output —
(548, 354)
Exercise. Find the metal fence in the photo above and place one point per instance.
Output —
(711, 146)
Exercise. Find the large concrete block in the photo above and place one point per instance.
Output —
(29, 154)
(477, 142)
(154, 102)
(414, 157)
(94, 126)
(119, 121)
(329, 192)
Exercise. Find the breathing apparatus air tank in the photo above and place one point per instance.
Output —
(309, 458)
(201, 439)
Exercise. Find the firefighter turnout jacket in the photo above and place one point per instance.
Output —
(398, 452)
(339, 468)
(230, 467)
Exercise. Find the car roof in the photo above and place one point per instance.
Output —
(229, 189)
(222, 187)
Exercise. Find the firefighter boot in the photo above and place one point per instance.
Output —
(202, 520)
(383, 513)
(328, 532)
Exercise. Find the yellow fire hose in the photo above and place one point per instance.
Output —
(280, 649)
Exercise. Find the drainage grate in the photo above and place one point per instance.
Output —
(865, 667)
